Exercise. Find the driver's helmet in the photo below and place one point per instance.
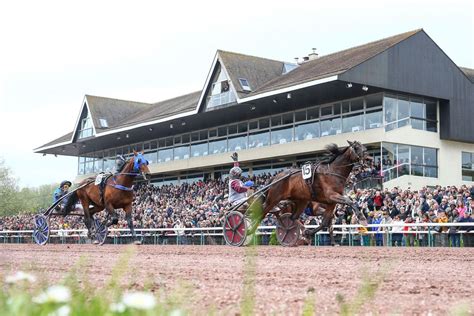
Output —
(119, 162)
(65, 182)
(235, 172)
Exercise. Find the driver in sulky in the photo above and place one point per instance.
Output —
(237, 189)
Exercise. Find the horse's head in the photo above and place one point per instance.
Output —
(358, 152)
(140, 164)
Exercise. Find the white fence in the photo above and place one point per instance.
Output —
(155, 235)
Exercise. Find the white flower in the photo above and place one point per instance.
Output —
(139, 300)
(176, 312)
(117, 307)
(54, 294)
(64, 310)
(20, 276)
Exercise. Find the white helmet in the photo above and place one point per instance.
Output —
(235, 172)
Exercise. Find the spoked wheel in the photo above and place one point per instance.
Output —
(287, 230)
(235, 229)
(41, 231)
(100, 231)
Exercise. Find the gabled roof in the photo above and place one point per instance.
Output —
(334, 63)
(468, 72)
(155, 111)
(256, 70)
(63, 139)
(112, 110)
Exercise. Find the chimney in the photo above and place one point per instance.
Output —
(313, 55)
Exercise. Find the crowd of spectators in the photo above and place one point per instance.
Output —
(203, 204)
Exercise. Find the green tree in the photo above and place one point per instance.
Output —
(9, 199)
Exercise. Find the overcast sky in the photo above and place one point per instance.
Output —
(52, 53)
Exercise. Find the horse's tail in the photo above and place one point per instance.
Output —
(70, 203)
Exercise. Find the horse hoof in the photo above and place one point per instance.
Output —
(335, 245)
(137, 242)
(95, 242)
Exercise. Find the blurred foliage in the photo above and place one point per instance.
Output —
(14, 200)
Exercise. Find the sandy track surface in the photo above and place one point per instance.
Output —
(282, 280)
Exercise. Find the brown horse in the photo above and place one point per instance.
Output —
(117, 193)
(326, 186)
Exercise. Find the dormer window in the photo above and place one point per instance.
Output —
(86, 127)
(103, 123)
(245, 84)
(220, 90)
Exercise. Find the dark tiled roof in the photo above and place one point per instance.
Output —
(59, 140)
(184, 103)
(256, 70)
(113, 110)
(468, 72)
(333, 64)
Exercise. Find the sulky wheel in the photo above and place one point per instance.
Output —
(41, 231)
(287, 230)
(100, 231)
(235, 229)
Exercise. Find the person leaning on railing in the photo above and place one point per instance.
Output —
(468, 239)
(441, 237)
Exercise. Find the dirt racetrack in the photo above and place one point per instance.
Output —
(284, 280)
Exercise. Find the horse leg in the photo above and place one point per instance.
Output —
(87, 216)
(128, 217)
(111, 215)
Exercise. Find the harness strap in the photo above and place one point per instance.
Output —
(119, 186)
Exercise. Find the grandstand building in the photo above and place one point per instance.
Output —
(401, 96)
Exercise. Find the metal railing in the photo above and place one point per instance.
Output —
(350, 235)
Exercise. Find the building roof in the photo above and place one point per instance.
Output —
(112, 110)
(155, 111)
(468, 72)
(256, 70)
(334, 63)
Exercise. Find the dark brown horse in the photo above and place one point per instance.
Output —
(117, 193)
(326, 187)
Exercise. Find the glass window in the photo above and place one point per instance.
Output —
(467, 161)
(194, 137)
(222, 131)
(373, 100)
(81, 168)
(232, 129)
(313, 113)
(337, 108)
(203, 135)
(165, 155)
(403, 111)
(331, 127)
(353, 123)
(198, 150)
(253, 125)
(429, 157)
(218, 146)
(282, 136)
(185, 138)
(264, 123)
(300, 116)
(417, 108)
(357, 105)
(416, 161)
(259, 139)
(177, 140)
(346, 107)
(276, 120)
(242, 127)
(327, 110)
(373, 119)
(181, 152)
(431, 110)
(307, 131)
(237, 143)
(403, 157)
(169, 142)
(151, 156)
(161, 143)
(212, 133)
(287, 118)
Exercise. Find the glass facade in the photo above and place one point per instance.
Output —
(467, 166)
(86, 127)
(401, 111)
(221, 92)
(399, 160)
(314, 122)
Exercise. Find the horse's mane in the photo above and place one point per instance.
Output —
(124, 164)
(332, 152)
